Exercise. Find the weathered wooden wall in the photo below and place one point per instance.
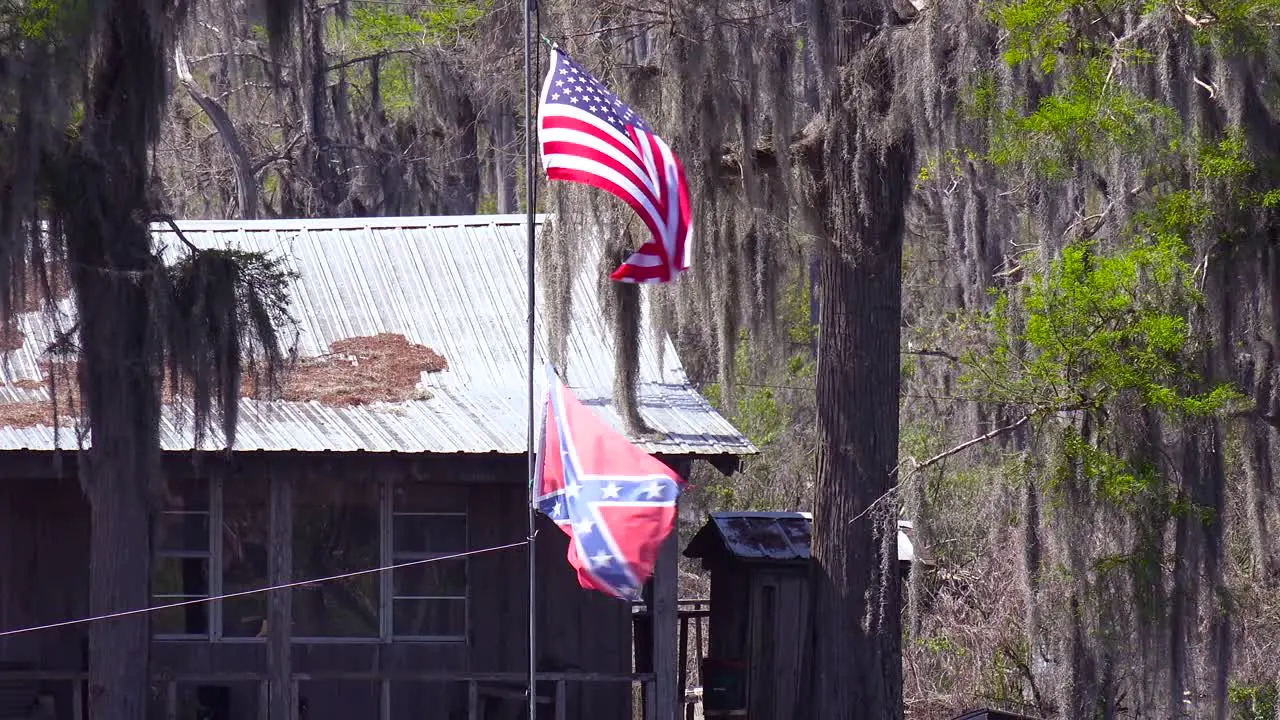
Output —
(779, 610)
(758, 617)
(44, 543)
(580, 630)
(44, 578)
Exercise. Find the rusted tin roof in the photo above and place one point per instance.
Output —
(453, 284)
(769, 537)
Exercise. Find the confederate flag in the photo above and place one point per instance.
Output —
(616, 502)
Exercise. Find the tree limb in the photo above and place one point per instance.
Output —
(367, 58)
(246, 182)
(975, 441)
(285, 154)
(933, 353)
(918, 466)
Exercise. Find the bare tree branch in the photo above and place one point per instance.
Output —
(918, 466)
(368, 58)
(933, 353)
(246, 182)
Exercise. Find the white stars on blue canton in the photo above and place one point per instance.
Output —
(575, 87)
(579, 505)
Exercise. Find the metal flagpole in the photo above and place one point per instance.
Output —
(530, 14)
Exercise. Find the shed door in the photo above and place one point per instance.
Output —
(779, 609)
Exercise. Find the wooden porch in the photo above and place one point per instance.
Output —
(489, 696)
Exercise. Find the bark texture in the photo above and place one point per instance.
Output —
(863, 183)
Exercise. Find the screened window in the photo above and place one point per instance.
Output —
(246, 543)
(213, 538)
(429, 600)
(336, 526)
(180, 570)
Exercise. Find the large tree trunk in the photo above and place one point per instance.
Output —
(122, 405)
(865, 181)
(104, 196)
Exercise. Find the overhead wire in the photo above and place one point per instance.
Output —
(255, 591)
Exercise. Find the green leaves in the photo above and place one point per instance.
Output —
(43, 20)
(392, 33)
(377, 28)
(1097, 325)
(1092, 117)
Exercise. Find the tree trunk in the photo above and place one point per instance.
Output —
(104, 197)
(864, 185)
(858, 656)
(503, 138)
(122, 468)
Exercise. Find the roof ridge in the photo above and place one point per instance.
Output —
(406, 221)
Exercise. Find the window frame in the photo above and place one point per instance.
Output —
(387, 608)
(213, 582)
(386, 589)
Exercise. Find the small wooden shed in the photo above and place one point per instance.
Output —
(759, 565)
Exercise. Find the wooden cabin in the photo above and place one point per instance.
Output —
(360, 464)
(759, 565)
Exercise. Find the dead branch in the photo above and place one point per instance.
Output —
(975, 441)
(918, 466)
(933, 353)
(246, 182)
(371, 57)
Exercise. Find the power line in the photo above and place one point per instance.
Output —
(914, 396)
(242, 593)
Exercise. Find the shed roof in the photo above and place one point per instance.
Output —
(456, 285)
(769, 537)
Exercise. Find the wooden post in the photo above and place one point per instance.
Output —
(282, 699)
(170, 700)
(665, 698)
(562, 700)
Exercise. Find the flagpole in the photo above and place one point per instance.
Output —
(530, 14)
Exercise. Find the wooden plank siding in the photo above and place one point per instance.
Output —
(44, 578)
(779, 611)
(580, 631)
(44, 573)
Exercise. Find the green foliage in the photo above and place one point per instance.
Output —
(44, 20)
(940, 645)
(378, 28)
(1036, 29)
(1253, 702)
(1091, 117)
(392, 32)
(1099, 324)
(765, 403)
(1238, 26)
(758, 413)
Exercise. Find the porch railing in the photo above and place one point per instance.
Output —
(476, 686)
(694, 618)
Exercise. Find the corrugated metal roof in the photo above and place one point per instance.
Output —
(772, 536)
(454, 284)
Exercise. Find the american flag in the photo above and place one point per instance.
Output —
(616, 502)
(588, 135)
